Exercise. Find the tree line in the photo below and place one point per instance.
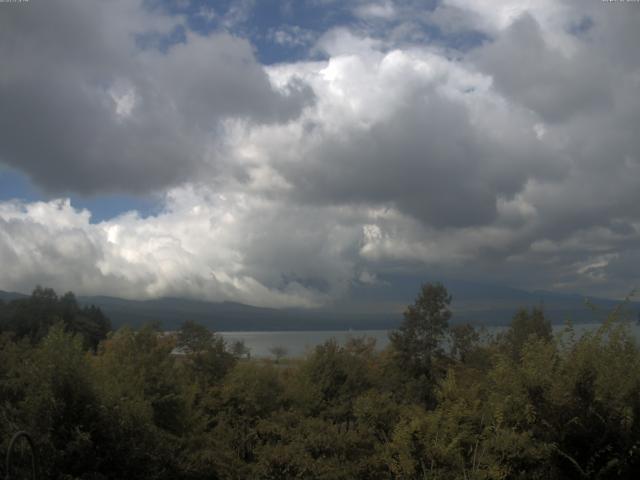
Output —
(440, 402)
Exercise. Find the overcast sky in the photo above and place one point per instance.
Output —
(282, 153)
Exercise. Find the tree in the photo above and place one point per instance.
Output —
(240, 350)
(206, 352)
(146, 402)
(329, 381)
(418, 340)
(194, 338)
(32, 317)
(526, 324)
(279, 352)
(464, 339)
(60, 407)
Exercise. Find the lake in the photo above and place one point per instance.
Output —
(298, 343)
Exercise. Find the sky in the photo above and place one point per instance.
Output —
(286, 153)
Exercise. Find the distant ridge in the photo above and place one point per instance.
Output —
(369, 308)
(230, 316)
(8, 296)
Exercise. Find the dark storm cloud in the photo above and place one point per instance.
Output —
(424, 159)
(529, 71)
(84, 109)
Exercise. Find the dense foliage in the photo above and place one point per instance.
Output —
(32, 317)
(441, 402)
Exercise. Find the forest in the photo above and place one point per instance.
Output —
(442, 401)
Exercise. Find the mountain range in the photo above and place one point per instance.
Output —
(368, 307)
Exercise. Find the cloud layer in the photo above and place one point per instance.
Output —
(98, 97)
(515, 159)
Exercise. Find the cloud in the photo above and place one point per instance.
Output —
(87, 109)
(483, 156)
(383, 10)
(497, 15)
(515, 159)
(553, 84)
(408, 129)
(291, 36)
(204, 245)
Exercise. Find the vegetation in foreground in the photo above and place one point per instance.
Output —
(123, 405)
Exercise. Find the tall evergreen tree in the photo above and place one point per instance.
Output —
(417, 342)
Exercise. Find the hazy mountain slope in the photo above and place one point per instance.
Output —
(8, 296)
(376, 306)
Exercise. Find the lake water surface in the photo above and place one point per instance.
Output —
(298, 343)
